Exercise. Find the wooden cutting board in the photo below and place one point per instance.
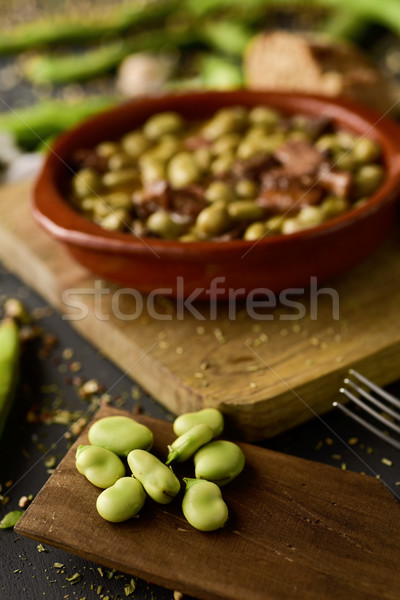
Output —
(296, 529)
(265, 375)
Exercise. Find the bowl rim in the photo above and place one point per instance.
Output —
(64, 223)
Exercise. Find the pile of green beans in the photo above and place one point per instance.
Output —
(162, 154)
(113, 439)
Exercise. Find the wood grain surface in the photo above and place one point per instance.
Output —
(296, 529)
(265, 375)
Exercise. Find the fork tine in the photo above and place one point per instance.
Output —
(383, 393)
(370, 410)
(367, 425)
(372, 399)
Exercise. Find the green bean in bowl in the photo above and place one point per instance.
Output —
(243, 173)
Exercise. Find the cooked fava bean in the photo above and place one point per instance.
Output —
(274, 224)
(223, 177)
(99, 465)
(212, 221)
(152, 170)
(187, 443)
(225, 121)
(219, 461)
(219, 190)
(222, 164)
(120, 434)
(159, 125)
(115, 220)
(162, 225)
(183, 170)
(208, 416)
(135, 144)
(116, 200)
(310, 216)
(119, 161)
(366, 150)
(255, 231)
(121, 501)
(261, 115)
(203, 505)
(119, 178)
(245, 210)
(86, 183)
(107, 149)
(158, 480)
(246, 188)
(333, 206)
(225, 143)
(367, 179)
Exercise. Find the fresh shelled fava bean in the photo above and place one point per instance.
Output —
(159, 481)
(99, 465)
(219, 461)
(120, 434)
(208, 416)
(121, 501)
(187, 444)
(203, 505)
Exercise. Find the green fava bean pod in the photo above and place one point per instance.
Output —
(121, 501)
(159, 481)
(186, 445)
(219, 461)
(120, 435)
(99, 465)
(208, 416)
(203, 505)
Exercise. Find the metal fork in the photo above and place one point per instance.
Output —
(384, 402)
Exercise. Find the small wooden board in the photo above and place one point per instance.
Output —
(265, 375)
(296, 529)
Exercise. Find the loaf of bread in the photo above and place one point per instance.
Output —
(286, 61)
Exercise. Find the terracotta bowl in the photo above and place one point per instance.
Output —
(273, 263)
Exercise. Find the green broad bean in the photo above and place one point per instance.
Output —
(367, 179)
(107, 149)
(161, 224)
(366, 150)
(86, 182)
(255, 231)
(246, 188)
(159, 481)
(121, 501)
(245, 210)
(212, 220)
(162, 123)
(219, 190)
(120, 434)
(261, 115)
(182, 170)
(115, 179)
(188, 443)
(99, 465)
(119, 161)
(115, 220)
(226, 120)
(219, 461)
(203, 505)
(135, 143)
(208, 416)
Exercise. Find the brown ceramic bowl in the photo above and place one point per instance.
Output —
(273, 263)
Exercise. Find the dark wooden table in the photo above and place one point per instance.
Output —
(33, 444)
